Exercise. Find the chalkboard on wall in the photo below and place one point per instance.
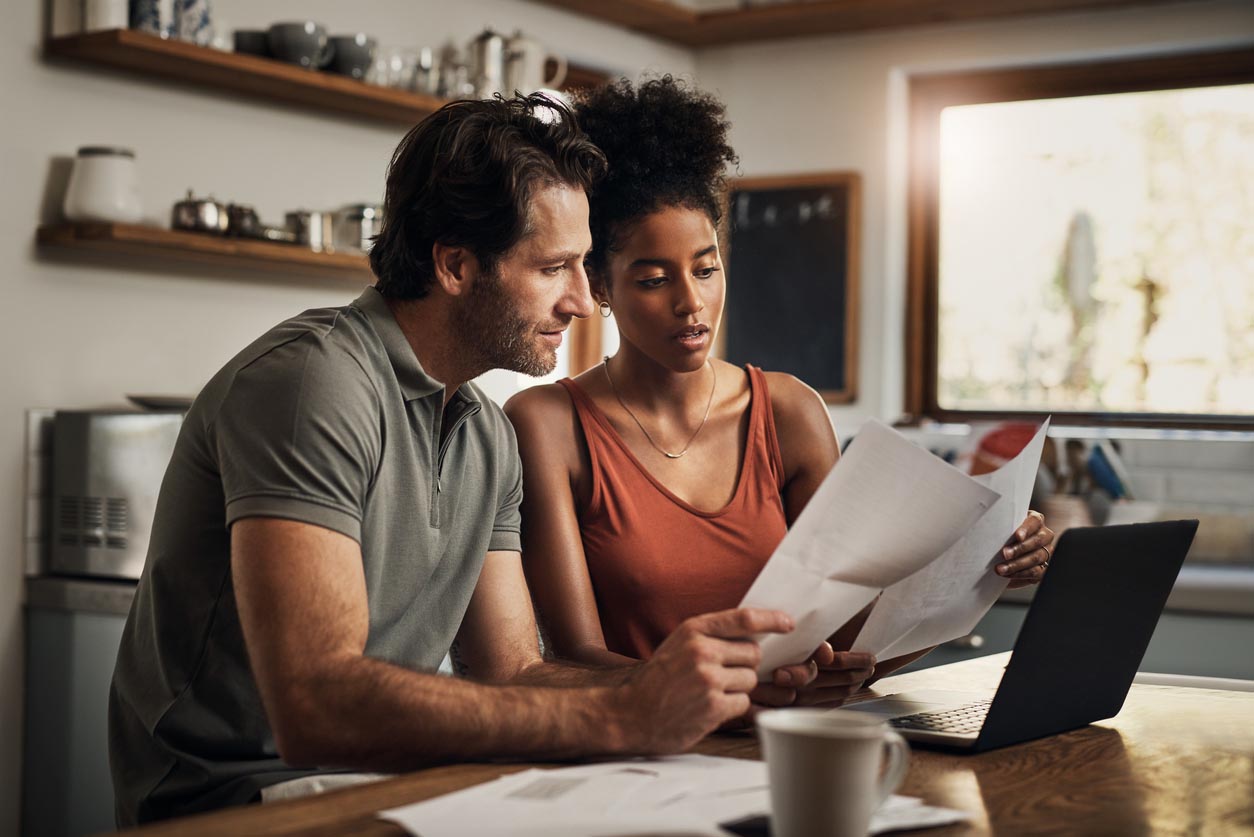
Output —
(792, 279)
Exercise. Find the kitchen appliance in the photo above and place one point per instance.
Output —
(525, 62)
(200, 215)
(103, 186)
(107, 467)
(73, 631)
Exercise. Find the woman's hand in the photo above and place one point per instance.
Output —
(1025, 557)
(787, 680)
(840, 675)
(830, 678)
(785, 683)
(826, 679)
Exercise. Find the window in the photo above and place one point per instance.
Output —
(1082, 242)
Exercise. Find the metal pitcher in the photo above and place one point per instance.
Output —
(487, 64)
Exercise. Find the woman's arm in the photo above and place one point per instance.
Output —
(555, 466)
(807, 440)
(809, 450)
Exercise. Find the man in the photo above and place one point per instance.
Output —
(342, 506)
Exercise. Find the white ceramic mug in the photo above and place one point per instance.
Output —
(829, 770)
(525, 61)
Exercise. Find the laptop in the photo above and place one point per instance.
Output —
(1079, 648)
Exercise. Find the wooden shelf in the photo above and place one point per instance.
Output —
(206, 249)
(666, 20)
(260, 78)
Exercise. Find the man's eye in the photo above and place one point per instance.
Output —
(705, 272)
(554, 270)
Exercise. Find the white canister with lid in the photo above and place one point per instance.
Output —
(105, 14)
(103, 186)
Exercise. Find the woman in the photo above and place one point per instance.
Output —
(658, 483)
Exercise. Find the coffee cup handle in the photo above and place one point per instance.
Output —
(897, 753)
(559, 75)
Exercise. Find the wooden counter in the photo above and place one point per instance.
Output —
(1174, 761)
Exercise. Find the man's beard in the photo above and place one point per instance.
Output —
(496, 337)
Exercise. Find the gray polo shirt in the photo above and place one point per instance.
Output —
(327, 419)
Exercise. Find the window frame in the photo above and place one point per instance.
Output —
(929, 95)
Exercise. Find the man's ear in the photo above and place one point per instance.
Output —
(456, 268)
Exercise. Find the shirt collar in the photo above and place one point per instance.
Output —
(415, 383)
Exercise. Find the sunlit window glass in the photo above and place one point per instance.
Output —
(1097, 253)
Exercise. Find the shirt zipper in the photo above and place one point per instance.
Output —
(471, 409)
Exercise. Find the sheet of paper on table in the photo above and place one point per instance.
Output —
(886, 510)
(687, 795)
(949, 596)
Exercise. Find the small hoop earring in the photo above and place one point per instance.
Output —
(605, 309)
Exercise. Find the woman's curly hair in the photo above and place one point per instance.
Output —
(666, 145)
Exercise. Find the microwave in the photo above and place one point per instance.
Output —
(107, 467)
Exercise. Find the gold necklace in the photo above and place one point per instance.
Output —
(708, 404)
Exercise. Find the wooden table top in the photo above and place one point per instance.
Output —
(1174, 761)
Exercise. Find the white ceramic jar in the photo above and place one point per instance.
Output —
(103, 186)
(105, 14)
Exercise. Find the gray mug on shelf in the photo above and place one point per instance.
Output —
(302, 43)
(353, 54)
(252, 42)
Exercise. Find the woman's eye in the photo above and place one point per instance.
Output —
(705, 272)
(652, 281)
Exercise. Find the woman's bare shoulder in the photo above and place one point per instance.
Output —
(542, 401)
(547, 429)
(792, 396)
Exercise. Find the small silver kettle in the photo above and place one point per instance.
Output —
(487, 64)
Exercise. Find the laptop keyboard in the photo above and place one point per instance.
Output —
(961, 719)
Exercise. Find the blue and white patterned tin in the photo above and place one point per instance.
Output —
(193, 21)
(153, 16)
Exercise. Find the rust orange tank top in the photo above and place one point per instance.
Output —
(654, 559)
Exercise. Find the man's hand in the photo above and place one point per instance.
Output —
(698, 678)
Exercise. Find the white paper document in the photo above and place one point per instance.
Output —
(886, 510)
(678, 795)
(949, 596)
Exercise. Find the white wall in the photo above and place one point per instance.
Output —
(837, 103)
(79, 333)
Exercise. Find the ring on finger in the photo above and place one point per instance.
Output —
(1048, 557)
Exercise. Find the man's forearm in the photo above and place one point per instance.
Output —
(566, 674)
(368, 714)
